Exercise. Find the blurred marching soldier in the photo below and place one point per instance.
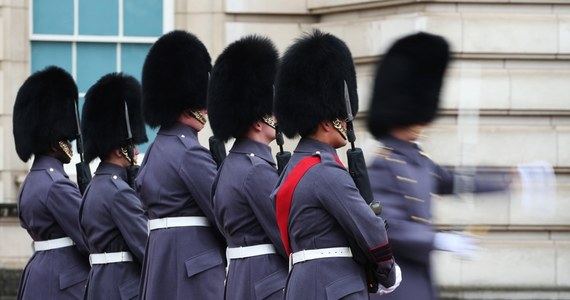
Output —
(405, 100)
(44, 125)
(324, 222)
(240, 104)
(184, 255)
(111, 217)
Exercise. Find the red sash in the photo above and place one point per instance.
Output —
(285, 195)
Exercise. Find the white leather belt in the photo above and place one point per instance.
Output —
(177, 222)
(306, 255)
(53, 244)
(249, 251)
(110, 258)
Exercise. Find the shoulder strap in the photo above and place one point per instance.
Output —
(285, 196)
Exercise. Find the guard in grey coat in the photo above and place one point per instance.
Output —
(112, 218)
(403, 177)
(339, 247)
(240, 104)
(184, 255)
(48, 204)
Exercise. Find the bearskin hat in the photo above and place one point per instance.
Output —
(44, 111)
(408, 83)
(174, 78)
(104, 124)
(241, 86)
(309, 87)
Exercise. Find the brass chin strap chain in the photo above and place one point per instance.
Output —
(65, 147)
(199, 116)
(267, 119)
(338, 126)
(125, 153)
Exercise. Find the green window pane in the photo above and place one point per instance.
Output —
(99, 17)
(93, 61)
(52, 17)
(142, 17)
(51, 53)
(132, 58)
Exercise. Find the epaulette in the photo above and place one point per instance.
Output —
(53, 174)
(386, 152)
(184, 140)
(422, 153)
(116, 180)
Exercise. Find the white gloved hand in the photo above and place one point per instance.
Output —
(383, 290)
(462, 245)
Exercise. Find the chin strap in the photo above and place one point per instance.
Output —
(267, 119)
(199, 116)
(66, 149)
(338, 126)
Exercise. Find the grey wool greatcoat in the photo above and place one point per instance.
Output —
(175, 180)
(48, 207)
(328, 211)
(405, 180)
(112, 220)
(246, 215)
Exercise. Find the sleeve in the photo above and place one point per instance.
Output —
(259, 184)
(340, 197)
(198, 171)
(128, 214)
(410, 239)
(64, 201)
(456, 181)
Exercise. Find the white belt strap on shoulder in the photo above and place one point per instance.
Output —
(177, 222)
(109, 258)
(53, 244)
(250, 251)
(306, 255)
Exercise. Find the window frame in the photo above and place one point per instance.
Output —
(168, 13)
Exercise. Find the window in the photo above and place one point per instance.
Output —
(90, 38)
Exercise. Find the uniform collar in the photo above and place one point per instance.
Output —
(248, 146)
(308, 145)
(44, 162)
(410, 150)
(106, 168)
(179, 129)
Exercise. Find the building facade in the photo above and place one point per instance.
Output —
(506, 102)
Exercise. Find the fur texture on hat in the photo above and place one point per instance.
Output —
(174, 78)
(241, 86)
(309, 87)
(408, 83)
(103, 121)
(44, 112)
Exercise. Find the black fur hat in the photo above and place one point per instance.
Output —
(103, 121)
(174, 78)
(44, 111)
(408, 83)
(241, 86)
(309, 87)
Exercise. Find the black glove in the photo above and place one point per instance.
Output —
(386, 274)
